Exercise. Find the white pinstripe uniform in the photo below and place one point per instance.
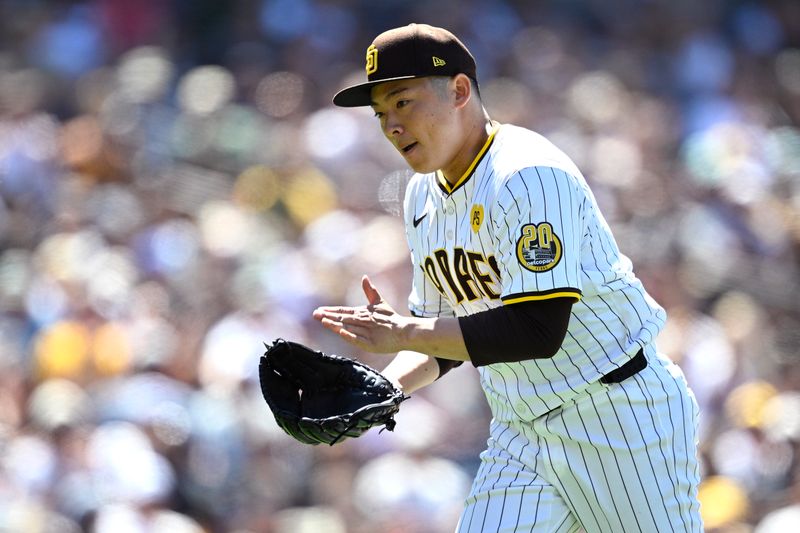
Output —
(565, 450)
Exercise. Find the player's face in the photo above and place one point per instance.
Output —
(419, 121)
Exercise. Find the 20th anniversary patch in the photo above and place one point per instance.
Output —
(538, 248)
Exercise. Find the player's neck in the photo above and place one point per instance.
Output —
(474, 141)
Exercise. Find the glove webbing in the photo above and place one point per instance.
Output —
(390, 424)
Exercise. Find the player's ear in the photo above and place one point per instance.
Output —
(462, 88)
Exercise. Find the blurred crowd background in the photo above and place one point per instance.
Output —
(176, 189)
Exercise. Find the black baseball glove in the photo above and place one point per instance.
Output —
(321, 399)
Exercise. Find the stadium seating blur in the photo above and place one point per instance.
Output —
(176, 188)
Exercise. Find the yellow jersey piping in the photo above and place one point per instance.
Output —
(443, 183)
(514, 299)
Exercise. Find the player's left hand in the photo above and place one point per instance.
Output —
(374, 327)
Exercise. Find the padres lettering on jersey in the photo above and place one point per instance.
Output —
(468, 274)
(521, 225)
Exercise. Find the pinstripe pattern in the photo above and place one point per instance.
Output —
(612, 459)
(523, 179)
(565, 451)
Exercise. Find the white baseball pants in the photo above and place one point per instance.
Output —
(617, 458)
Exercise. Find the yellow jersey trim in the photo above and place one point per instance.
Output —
(465, 176)
(547, 296)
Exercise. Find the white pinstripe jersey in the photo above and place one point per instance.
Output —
(522, 224)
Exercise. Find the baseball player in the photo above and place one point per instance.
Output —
(517, 272)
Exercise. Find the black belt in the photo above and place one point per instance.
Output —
(635, 365)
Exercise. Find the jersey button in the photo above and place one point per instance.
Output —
(522, 409)
(450, 234)
(450, 210)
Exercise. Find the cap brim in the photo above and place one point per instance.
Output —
(361, 94)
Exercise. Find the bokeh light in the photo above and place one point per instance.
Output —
(330, 133)
(597, 97)
(722, 502)
(308, 195)
(206, 89)
(257, 187)
(144, 74)
(280, 94)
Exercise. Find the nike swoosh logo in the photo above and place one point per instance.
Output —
(418, 220)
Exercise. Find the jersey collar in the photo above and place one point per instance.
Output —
(443, 183)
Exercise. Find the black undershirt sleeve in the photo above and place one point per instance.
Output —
(446, 365)
(516, 332)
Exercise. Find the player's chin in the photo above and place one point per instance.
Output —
(419, 165)
(414, 159)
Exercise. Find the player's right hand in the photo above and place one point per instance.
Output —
(375, 327)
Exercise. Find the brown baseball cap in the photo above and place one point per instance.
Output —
(412, 51)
